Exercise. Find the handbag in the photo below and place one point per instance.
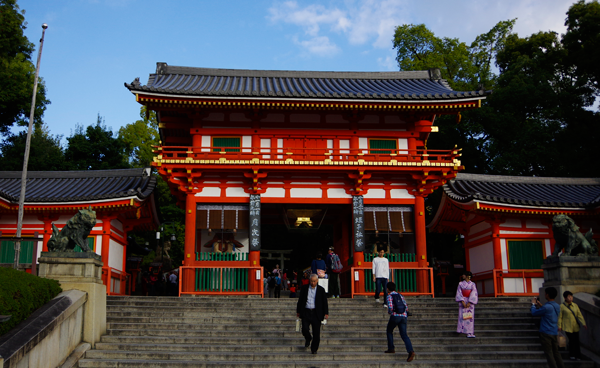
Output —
(467, 315)
(321, 273)
(562, 339)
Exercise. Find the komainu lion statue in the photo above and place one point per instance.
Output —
(568, 236)
(74, 233)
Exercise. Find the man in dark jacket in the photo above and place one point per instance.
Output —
(312, 308)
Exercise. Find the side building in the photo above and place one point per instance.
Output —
(123, 201)
(506, 222)
(245, 151)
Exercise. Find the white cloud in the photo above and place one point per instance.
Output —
(388, 63)
(320, 45)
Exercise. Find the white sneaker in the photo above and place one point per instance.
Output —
(377, 301)
(384, 305)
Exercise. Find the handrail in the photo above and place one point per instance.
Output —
(107, 277)
(279, 154)
(353, 280)
(497, 275)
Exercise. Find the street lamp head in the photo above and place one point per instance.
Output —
(173, 238)
(44, 26)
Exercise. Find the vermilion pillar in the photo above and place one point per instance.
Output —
(496, 244)
(190, 229)
(105, 239)
(421, 242)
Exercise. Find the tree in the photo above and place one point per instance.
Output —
(140, 137)
(96, 148)
(17, 71)
(46, 152)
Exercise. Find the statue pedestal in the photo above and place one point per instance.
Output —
(81, 271)
(573, 273)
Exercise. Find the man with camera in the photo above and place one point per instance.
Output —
(548, 326)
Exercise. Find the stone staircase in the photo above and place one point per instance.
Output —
(252, 332)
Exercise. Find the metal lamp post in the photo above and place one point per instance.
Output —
(26, 156)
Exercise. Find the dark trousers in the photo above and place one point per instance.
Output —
(550, 347)
(310, 319)
(278, 291)
(401, 323)
(574, 350)
(379, 282)
(334, 288)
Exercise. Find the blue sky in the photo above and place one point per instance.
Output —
(92, 47)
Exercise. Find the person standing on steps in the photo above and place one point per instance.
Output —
(277, 286)
(398, 311)
(312, 308)
(331, 260)
(381, 272)
(570, 320)
(549, 326)
(467, 297)
(318, 266)
(271, 282)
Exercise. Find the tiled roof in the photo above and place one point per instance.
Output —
(525, 191)
(281, 84)
(77, 186)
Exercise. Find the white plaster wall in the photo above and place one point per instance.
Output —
(344, 146)
(117, 225)
(375, 193)
(236, 192)
(535, 224)
(504, 253)
(486, 234)
(479, 227)
(274, 193)
(400, 193)
(206, 143)
(247, 142)
(481, 258)
(363, 143)
(513, 285)
(265, 145)
(337, 193)
(99, 244)
(536, 283)
(209, 192)
(403, 145)
(511, 222)
(548, 247)
(280, 150)
(306, 193)
(519, 232)
(115, 255)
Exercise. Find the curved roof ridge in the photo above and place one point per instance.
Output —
(528, 179)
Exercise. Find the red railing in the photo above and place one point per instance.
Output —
(423, 277)
(221, 280)
(499, 275)
(115, 281)
(279, 155)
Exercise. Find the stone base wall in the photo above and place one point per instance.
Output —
(48, 336)
(590, 309)
(576, 274)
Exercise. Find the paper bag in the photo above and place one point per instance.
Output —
(562, 339)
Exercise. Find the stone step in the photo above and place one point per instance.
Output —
(311, 361)
(289, 346)
(349, 326)
(325, 333)
(380, 340)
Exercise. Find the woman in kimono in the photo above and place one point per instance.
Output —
(466, 296)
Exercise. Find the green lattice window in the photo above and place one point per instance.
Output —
(7, 252)
(377, 145)
(525, 255)
(226, 142)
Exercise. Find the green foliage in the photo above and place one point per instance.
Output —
(95, 148)
(21, 294)
(17, 71)
(140, 137)
(46, 153)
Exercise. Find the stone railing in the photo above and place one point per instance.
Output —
(590, 309)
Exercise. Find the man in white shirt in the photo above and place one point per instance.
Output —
(381, 272)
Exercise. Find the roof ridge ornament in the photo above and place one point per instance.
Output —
(435, 74)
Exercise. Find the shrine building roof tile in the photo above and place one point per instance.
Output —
(525, 191)
(77, 186)
(282, 84)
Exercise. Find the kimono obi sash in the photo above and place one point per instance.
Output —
(466, 292)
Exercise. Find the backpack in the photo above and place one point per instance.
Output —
(336, 265)
(399, 306)
(271, 282)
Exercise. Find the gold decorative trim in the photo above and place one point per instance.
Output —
(224, 161)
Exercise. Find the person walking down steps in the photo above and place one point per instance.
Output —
(312, 308)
